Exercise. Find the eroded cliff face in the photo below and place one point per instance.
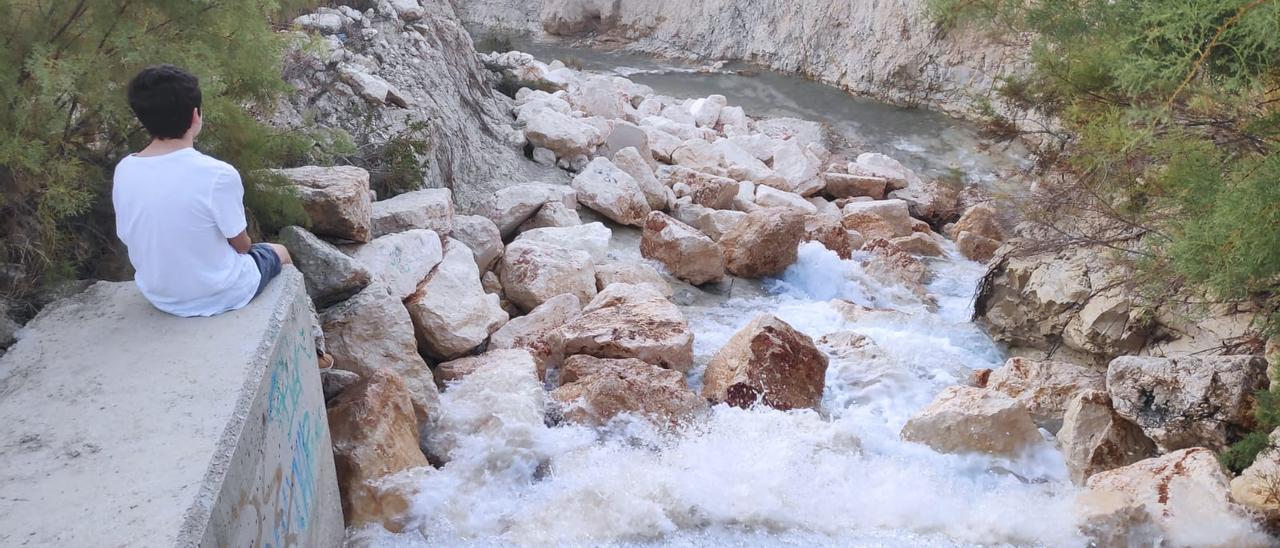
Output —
(887, 49)
(381, 72)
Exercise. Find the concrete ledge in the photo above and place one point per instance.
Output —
(123, 426)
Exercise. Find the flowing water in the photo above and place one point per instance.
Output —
(840, 476)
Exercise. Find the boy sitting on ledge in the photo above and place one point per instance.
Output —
(181, 213)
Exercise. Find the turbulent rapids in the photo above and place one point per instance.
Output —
(762, 476)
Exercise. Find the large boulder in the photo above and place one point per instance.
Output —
(964, 419)
(482, 236)
(612, 192)
(763, 244)
(921, 244)
(536, 332)
(886, 219)
(1094, 438)
(1081, 303)
(1182, 492)
(430, 209)
(1188, 401)
(513, 205)
(592, 238)
(975, 247)
(533, 272)
(594, 391)
(401, 260)
(637, 273)
(631, 161)
(336, 199)
(452, 314)
(565, 135)
(1045, 387)
(687, 253)
(631, 321)
(767, 362)
(372, 330)
(375, 437)
(331, 275)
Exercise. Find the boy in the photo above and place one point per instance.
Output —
(181, 213)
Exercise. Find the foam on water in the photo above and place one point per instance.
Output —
(752, 477)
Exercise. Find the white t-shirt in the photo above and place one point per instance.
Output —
(176, 213)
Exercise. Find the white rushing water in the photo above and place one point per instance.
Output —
(755, 477)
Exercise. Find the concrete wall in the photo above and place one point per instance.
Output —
(123, 426)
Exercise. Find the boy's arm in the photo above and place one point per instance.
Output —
(227, 203)
(241, 243)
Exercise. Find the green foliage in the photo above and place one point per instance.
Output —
(64, 121)
(1242, 454)
(1172, 111)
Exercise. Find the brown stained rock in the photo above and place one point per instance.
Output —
(336, 199)
(631, 321)
(763, 244)
(687, 253)
(593, 391)
(976, 247)
(375, 436)
(768, 362)
(830, 233)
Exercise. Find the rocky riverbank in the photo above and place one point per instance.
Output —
(461, 330)
(891, 51)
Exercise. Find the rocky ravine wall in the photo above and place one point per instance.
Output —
(887, 49)
(386, 69)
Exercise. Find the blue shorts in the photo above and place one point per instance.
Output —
(268, 264)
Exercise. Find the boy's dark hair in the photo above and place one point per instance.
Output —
(163, 97)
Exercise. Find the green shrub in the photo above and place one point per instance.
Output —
(64, 122)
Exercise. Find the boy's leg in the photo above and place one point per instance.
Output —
(283, 253)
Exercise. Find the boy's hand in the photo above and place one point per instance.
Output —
(241, 243)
